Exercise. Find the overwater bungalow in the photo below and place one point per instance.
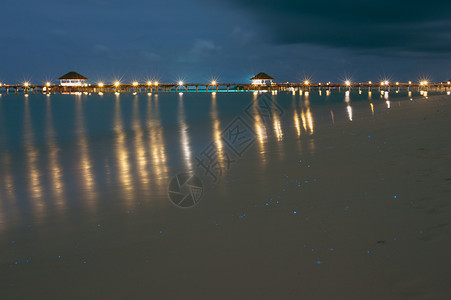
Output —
(262, 79)
(72, 79)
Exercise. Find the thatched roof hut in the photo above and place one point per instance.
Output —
(72, 76)
(72, 79)
(262, 76)
(262, 79)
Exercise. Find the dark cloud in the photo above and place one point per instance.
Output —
(229, 39)
(371, 25)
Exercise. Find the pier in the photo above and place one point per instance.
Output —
(138, 88)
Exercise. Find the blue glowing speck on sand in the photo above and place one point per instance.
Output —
(59, 256)
(368, 251)
(161, 231)
(295, 212)
(369, 136)
(13, 242)
(395, 196)
(331, 249)
(319, 262)
(313, 250)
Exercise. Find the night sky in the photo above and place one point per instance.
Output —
(228, 40)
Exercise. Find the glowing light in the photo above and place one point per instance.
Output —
(156, 83)
(397, 83)
(410, 82)
(149, 82)
(306, 82)
(348, 83)
(135, 83)
(180, 82)
(213, 82)
(26, 84)
(449, 82)
(48, 84)
(369, 82)
(181, 94)
(100, 84)
(117, 83)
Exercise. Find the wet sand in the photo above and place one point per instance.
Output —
(358, 210)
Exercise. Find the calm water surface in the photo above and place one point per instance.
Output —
(89, 154)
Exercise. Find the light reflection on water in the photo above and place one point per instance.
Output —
(85, 162)
(184, 136)
(33, 170)
(74, 160)
(122, 154)
(157, 143)
(54, 161)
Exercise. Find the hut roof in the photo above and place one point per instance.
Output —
(72, 75)
(262, 76)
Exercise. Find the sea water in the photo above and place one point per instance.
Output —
(81, 152)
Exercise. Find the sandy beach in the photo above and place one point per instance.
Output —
(355, 210)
